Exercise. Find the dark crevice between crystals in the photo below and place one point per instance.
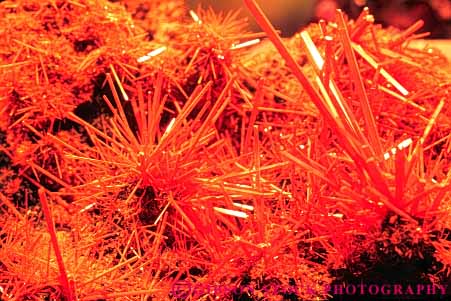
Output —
(150, 36)
(27, 193)
(150, 210)
(49, 184)
(391, 264)
(85, 45)
(313, 251)
(5, 160)
(167, 115)
(182, 289)
(91, 109)
(141, 12)
(96, 106)
(149, 206)
(47, 293)
(88, 111)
